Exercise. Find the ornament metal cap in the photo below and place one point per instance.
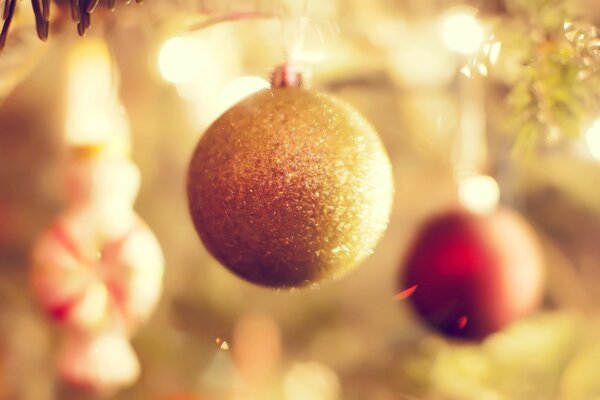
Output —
(287, 75)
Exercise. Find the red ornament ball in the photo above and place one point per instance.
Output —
(470, 275)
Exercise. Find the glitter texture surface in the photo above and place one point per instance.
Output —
(289, 187)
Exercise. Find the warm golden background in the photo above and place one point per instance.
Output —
(217, 337)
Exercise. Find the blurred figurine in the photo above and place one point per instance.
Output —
(98, 270)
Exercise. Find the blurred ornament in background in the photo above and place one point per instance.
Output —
(470, 275)
(289, 187)
(91, 270)
(97, 270)
(472, 271)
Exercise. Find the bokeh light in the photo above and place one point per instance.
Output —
(461, 31)
(186, 59)
(479, 193)
(592, 139)
(311, 380)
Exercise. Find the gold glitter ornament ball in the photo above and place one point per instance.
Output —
(289, 187)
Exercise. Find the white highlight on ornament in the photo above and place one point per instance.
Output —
(479, 193)
(311, 380)
(94, 114)
(461, 31)
(592, 139)
(185, 59)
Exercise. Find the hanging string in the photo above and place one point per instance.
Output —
(477, 191)
(307, 36)
(295, 34)
(290, 73)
